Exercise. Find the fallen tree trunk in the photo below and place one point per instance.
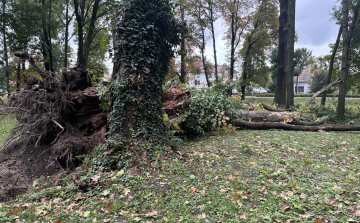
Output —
(269, 108)
(339, 80)
(285, 126)
(319, 121)
(267, 116)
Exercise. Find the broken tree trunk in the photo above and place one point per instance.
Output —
(26, 56)
(267, 116)
(339, 80)
(285, 126)
(266, 107)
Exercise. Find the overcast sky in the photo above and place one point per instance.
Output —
(313, 23)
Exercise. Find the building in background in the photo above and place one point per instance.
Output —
(304, 81)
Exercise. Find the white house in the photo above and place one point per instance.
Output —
(198, 81)
(303, 81)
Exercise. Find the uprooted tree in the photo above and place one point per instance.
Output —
(61, 118)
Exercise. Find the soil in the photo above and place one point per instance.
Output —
(19, 167)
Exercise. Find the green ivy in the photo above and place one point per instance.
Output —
(146, 34)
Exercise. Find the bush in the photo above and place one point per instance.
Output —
(321, 111)
(204, 106)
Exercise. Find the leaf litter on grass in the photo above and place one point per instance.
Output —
(251, 176)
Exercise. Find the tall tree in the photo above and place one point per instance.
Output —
(211, 9)
(4, 19)
(236, 16)
(198, 29)
(257, 41)
(284, 95)
(347, 34)
(87, 14)
(331, 65)
(149, 33)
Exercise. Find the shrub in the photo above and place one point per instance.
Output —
(204, 106)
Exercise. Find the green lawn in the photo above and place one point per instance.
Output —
(6, 124)
(250, 176)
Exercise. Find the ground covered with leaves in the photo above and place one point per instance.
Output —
(249, 176)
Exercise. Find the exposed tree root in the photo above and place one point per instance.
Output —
(62, 116)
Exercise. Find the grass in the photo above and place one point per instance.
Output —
(6, 124)
(250, 176)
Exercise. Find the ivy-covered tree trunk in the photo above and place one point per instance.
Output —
(147, 34)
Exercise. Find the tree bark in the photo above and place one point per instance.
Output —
(214, 46)
(67, 23)
(268, 108)
(289, 102)
(90, 32)
(280, 93)
(18, 76)
(6, 58)
(347, 34)
(339, 80)
(285, 126)
(79, 14)
(331, 65)
(267, 116)
(182, 46)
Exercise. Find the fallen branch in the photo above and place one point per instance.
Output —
(25, 55)
(266, 107)
(339, 80)
(285, 126)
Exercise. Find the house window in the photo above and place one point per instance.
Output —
(300, 89)
(197, 82)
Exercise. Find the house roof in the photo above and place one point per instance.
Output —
(306, 75)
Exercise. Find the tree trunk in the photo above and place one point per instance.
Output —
(232, 49)
(290, 55)
(90, 32)
(79, 14)
(67, 23)
(18, 76)
(6, 58)
(285, 126)
(280, 93)
(212, 30)
(45, 38)
(331, 65)
(182, 46)
(347, 36)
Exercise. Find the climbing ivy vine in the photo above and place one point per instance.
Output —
(146, 36)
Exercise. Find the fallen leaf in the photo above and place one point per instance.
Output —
(277, 220)
(285, 207)
(79, 198)
(352, 207)
(151, 214)
(202, 206)
(58, 221)
(193, 189)
(357, 213)
(330, 201)
(223, 190)
(319, 220)
(13, 212)
(95, 178)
